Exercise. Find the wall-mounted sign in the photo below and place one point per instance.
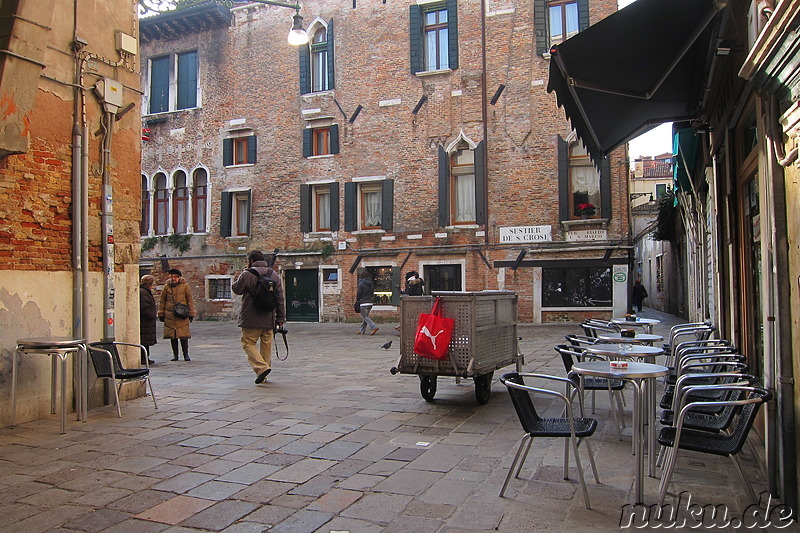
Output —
(588, 235)
(526, 234)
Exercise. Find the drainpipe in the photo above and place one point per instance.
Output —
(107, 217)
(484, 115)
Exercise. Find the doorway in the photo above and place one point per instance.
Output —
(442, 278)
(302, 295)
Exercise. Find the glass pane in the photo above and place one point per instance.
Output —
(162, 203)
(372, 209)
(200, 193)
(571, 19)
(241, 215)
(444, 58)
(319, 70)
(465, 198)
(430, 51)
(144, 224)
(556, 25)
(324, 210)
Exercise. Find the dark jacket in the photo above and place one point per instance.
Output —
(249, 316)
(639, 292)
(414, 287)
(365, 291)
(148, 314)
(175, 328)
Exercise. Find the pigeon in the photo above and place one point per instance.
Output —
(387, 345)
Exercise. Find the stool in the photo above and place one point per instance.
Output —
(58, 347)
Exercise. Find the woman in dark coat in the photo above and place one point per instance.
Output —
(176, 290)
(148, 313)
(364, 298)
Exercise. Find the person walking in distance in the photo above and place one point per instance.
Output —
(258, 325)
(364, 298)
(148, 314)
(176, 292)
(639, 294)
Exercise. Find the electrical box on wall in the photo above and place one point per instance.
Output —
(126, 43)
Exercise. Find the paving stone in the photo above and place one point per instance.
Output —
(137, 465)
(270, 515)
(302, 521)
(217, 467)
(138, 526)
(301, 471)
(336, 500)
(140, 501)
(50, 497)
(183, 482)
(245, 527)
(376, 507)
(337, 451)
(407, 481)
(215, 490)
(175, 510)
(99, 520)
(220, 515)
(360, 482)
(263, 491)
(352, 525)
(405, 523)
(249, 473)
(202, 441)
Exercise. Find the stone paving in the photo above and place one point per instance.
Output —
(331, 442)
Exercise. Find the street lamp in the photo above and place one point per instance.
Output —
(297, 35)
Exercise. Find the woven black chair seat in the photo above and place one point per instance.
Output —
(134, 373)
(697, 396)
(711, 421)
(559, 427)
(702, 441)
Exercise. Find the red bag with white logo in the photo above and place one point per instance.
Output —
(434, 332)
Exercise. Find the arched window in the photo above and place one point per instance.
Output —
(319, 60)
(144, 224)
(462, 185)
(584, 180)
(180, 203)
(200, 200)
(162, 204)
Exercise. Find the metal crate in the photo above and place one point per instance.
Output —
(484, 338)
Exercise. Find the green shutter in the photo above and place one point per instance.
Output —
(452, 33)
(251, 149)
(227, 152)
(159, 84)
(415, 37)
(605, 188)
(334, 138)
(387, 205)
(187, 80)
(225, 215)
(306, 205)
(444, 188)
(331, 84)
(541, 32)
(350, 213)
(305, 69)
(308, 144)
(334, 206)
(563, 179)
(480, 183)
(583, 14)
(395, 286)
(249, 212)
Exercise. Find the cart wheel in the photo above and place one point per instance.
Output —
(483, 387)
(427, 386)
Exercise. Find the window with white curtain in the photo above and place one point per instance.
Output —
(563, 20)
(584, 182)
(322, 213)
(462, 176)
(370, 205)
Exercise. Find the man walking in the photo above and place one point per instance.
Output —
(257, 324)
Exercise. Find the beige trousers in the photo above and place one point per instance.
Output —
(259, 357)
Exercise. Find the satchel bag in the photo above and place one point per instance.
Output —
(357, 307)
(434, 332)
(181, 311)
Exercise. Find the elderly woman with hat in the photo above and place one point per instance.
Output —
(176, 292)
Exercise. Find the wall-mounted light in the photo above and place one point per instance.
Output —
(297, 35)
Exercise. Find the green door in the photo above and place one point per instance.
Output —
(302, 295)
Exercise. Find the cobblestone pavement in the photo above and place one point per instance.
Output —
(331, 442)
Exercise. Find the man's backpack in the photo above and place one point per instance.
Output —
(265, 296)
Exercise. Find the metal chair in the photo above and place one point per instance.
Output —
(568, 427)
(717, 443)
(107, 365)
(580, 340)
(592, 327)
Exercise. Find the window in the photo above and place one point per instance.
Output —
(558, 20)
(319, 207)
(661, 190)
(144, 224)
(584, 182)
(180, 203)
(434, 36)
(200, 200)
(235, 214)
(321, 141)
(580, 183)
(447, 277)
(462, 186)
(462, 195)
(316, 59)
(385, 283)
(219, 288)
(563, 20)
(576, 287)
(330, 280)
(239, 151)
(369, 205)
(162, 204)
(177, 73)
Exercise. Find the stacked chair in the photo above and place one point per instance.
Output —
(593, 327)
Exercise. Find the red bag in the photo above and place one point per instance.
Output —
(434, 333)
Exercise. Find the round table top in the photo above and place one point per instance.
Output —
(50, 342)
(622, 349)
(635, 370)
(638, 322)
(638, 339)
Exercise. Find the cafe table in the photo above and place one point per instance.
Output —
(625, 350)
(642, 376)
(645, 323)
(639, 338)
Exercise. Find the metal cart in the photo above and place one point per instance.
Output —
(484, 339)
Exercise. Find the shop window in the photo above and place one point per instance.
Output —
(576, 287)
(382, 284)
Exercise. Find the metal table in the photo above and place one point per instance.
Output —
(59, 347)
(640, 338)
(625, 350)
(646, 323)
(641, 376)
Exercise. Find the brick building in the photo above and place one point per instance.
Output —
(414, 136)
(69, 138)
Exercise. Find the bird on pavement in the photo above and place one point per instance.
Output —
(387, 345)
